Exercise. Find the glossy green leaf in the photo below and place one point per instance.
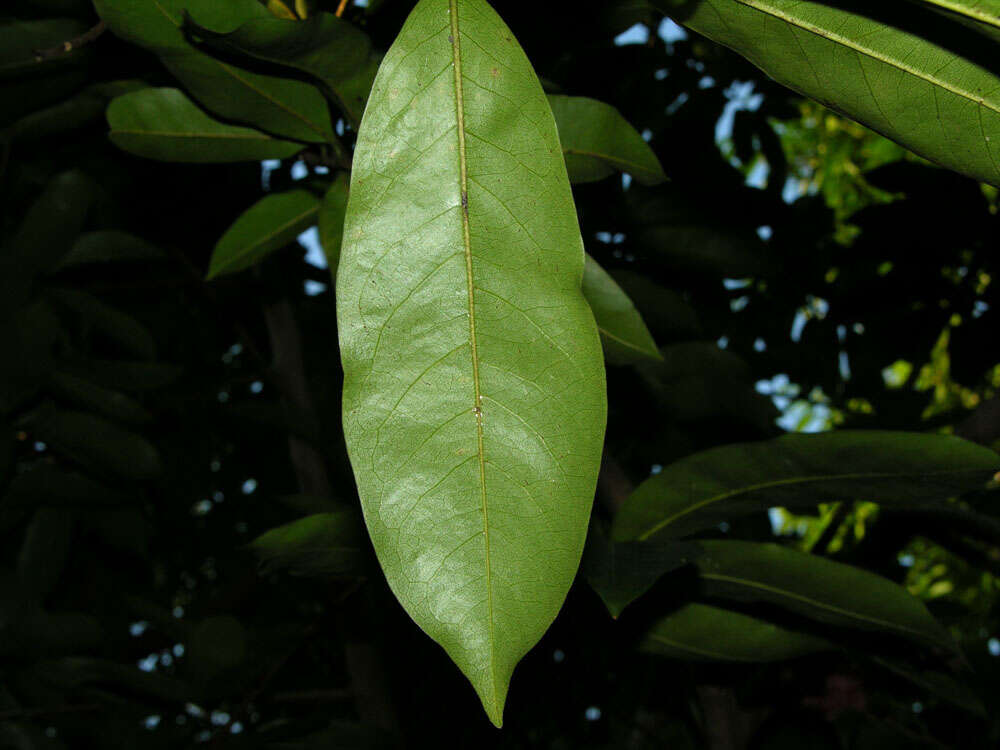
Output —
(817, 588)
(334, 52)
(597, 142)
(623, 332)
(164, 124)
(902, 71)
(797, 471)
(474, 397)
(95, 443)
(324, 545)
(331, 220)
(282, 106)
(699, 632)
(268, 225)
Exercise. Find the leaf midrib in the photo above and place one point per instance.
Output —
(264, 239)
(790, 481)
(761, 6)
(477, 394)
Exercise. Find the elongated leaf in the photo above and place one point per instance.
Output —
(268, 225)
(164, 124)
(474, 397)
(597, 142)
(105, 401)
(325, 544)
(282, 106)
(334, 52)
(699, 632)
(986, 12)
(620, 572)
(123, 375)
(815, 587)
(96, 443)
(939, 684)
(106, 246)
(623, 332)
(906, 73)
(47, 485)
(113, 324)
(331, 220)
(45, 549)
(799, 471)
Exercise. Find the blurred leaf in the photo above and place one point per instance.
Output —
(107, 246)
(817, 588)
(620, 572)
(713, 250)
(95, 443)
(27, 340)
(334, 52)
(123, 375)
(597, 142)
(664, 311)
(321, 545)
(895, 69)
(331, 220)
(44, 551)
(270, 224)
(698, 632)
(164, 124)
(623, 332)
(104, 401)
(81, 673)
(218, 644)
(937, 683)
(798, 470)
(72, 113)
(47, 484)
(118, 327)
(281, 106)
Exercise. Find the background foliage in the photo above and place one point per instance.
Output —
(182, 561)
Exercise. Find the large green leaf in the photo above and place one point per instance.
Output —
(623, 333)
(799, 471)
(105, 401)
(268, 225)
(290, 108)
(597, 142)
(699, 632)
(93, 315)
(909, 74)
(817, 588)
(985, 12)
(106, 246)
(334, 52)
(474, 396)
(164, 124)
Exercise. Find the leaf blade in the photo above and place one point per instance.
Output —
(624, 333)
(483, 297)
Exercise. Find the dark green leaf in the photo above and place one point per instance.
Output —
(268, 225)
(123, 375)
(334, 52)
(623, 332)
(107, 246)
(164, 124)
(44, 551)
(816, 587)
(698, 632)
(96, 443)
(474, 397)
(48, 485)
(331, 220)
(104, 401)
(322, 545)
(95, 316)
(910, 75)
(799, 471)
(281, 106)
(597, 142)
(19, 41)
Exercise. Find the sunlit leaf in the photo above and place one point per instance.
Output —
(270, 224)
(598, 142)
(474, 401)
(623, 332)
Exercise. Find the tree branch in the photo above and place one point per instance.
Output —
(71, 45)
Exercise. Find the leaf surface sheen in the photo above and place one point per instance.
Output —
(474, 397)
(929, 83)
